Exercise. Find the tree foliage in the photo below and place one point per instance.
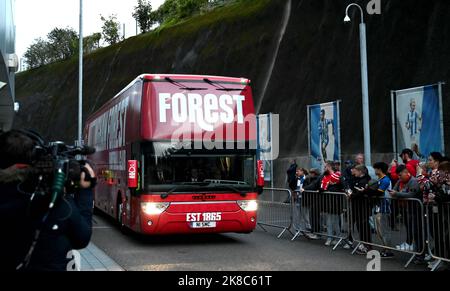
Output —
(60, 44)
(173, 10)
(187, 8)
(91, 42)
(167, 11)
(110, 29)
(63, 43)
(38, 53)
(143, 15)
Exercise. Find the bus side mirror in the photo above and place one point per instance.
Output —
(260, 178)
(133, 180)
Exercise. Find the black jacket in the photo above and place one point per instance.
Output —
(68, 227)
(347, 178)
(291, 176)
(312, 183)
(359, 182)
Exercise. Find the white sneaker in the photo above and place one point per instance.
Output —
(406, 247)
(328, 242)
(433, 264)
(403, 247)
(334, 242)
(311, 236)
(362, 250)
(347, 246)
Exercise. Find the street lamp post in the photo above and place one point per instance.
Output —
(365, 83)
(80, 80)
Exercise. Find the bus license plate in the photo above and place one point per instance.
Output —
(203, 224)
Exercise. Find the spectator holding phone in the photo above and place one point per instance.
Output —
(408, 187)
(361, 206)
(383, 209)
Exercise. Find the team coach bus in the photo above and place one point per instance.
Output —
(177, 154)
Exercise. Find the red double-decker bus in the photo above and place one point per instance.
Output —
(177, 154)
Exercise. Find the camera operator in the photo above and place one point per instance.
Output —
(35, 238)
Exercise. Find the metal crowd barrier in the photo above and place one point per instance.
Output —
(388, 223)
(400, 225)
(438, 231)
(321, 213)
(275, 209)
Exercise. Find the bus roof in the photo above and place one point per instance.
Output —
(156, 77)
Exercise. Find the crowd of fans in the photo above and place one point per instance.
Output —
(379, 203)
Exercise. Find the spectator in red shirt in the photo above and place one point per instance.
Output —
(411, 165)
(331, 182)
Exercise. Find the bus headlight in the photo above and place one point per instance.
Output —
(248, 205)
(154, 208)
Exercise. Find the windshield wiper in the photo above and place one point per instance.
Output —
(181, 86)
(175, 188)
(219, 87)
(225, 182)
(184, 184)
(165, 195)
(217, 184)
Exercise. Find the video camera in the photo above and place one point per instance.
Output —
(57, 167)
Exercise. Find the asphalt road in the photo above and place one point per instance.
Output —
(259, 251)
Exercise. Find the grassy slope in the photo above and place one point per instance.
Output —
(238, 11)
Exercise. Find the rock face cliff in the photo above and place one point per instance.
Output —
(296, 53)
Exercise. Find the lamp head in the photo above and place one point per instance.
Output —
(347, 19)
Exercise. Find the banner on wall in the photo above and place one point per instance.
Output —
(418, 120)
(324, 133)
(265, 143)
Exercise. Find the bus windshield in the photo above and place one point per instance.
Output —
(167, 168)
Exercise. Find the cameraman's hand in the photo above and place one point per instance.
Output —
(83, 183)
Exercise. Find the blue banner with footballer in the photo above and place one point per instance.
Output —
(324, 133)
